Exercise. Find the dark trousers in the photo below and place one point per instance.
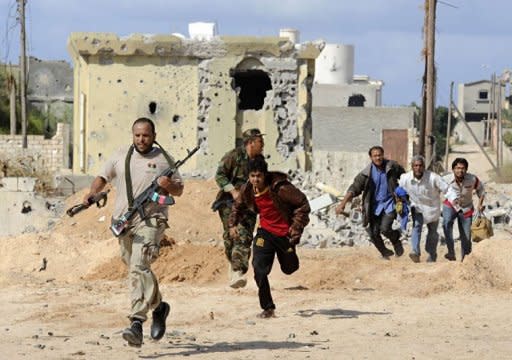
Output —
(382, 225)
(265, 247)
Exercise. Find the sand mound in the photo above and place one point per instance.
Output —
(82, 247)
(191, 263)
(190, 219)
(355, 269)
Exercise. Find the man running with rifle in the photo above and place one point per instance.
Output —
(132, 170)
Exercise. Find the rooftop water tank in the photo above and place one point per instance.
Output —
(202, 30)
(291, 34)
(335, 65)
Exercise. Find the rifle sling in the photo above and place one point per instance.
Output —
(128, 176)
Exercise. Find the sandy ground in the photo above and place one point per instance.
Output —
(342, 303)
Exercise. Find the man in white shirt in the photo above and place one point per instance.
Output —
(459, 205)
(424, 188)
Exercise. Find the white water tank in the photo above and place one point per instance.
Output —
(335, 65)
(291, 34)
(202, 30)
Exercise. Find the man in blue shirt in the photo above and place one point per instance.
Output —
(377, 182)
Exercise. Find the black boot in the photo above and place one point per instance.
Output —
(133, 334)
(159, 316)
(399, 249)
(385, 252)
(379, 244)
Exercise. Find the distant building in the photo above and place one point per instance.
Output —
(474, 100)
(50, 90)
(335, 83)
(348, 119)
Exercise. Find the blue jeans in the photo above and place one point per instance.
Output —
(464, 223)
(432, 236)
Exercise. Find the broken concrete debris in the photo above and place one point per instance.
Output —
(326, 229)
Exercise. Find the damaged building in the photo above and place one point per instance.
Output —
(348, 119)
(206, 89)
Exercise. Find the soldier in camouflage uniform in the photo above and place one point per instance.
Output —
(231, 175)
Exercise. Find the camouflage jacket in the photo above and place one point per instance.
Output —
(291, 203)
(231, 173)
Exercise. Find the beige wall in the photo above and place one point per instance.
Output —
(191, 84)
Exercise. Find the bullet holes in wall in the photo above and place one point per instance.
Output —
(27, 207)
(152, 107)
(176, 119)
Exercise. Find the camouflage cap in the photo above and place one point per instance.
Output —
(250, 134)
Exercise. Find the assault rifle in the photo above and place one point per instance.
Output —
(150, 194)
(100, 199)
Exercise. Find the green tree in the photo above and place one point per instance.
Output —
(34, 117)
(4, 101)
(439, 129)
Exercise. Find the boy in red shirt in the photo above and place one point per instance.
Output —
(284, 212)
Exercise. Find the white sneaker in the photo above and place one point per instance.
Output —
(238, 280)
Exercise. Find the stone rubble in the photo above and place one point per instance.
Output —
(328, 230)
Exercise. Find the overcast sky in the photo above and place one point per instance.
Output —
(474, 37)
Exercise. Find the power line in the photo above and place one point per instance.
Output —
(447, 4)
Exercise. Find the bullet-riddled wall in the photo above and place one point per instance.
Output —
(205, 91)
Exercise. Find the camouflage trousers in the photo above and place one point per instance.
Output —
(140, 247)
(238, 251)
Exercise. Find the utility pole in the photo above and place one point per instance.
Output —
(487, 128)
(431, 78)
(448, 129)
(23, 72)
(492, 107)
(499, 136)
(421, 140)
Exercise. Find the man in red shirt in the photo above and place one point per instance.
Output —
(284, 212)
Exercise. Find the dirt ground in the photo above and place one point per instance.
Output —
(343, 303)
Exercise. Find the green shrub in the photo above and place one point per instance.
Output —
(507, 138)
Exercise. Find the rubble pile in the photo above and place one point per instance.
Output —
(326, 229)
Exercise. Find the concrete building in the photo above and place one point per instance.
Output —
(206, 89)
(343, 135)
(348, 119)
(474, 100)
(477, 104)
(336, 84)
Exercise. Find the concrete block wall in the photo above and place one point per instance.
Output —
(338, 95)
(461, 133)
(52, 154)
(23, 184)
(342, 137)
(338, 169)
(356, 129)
